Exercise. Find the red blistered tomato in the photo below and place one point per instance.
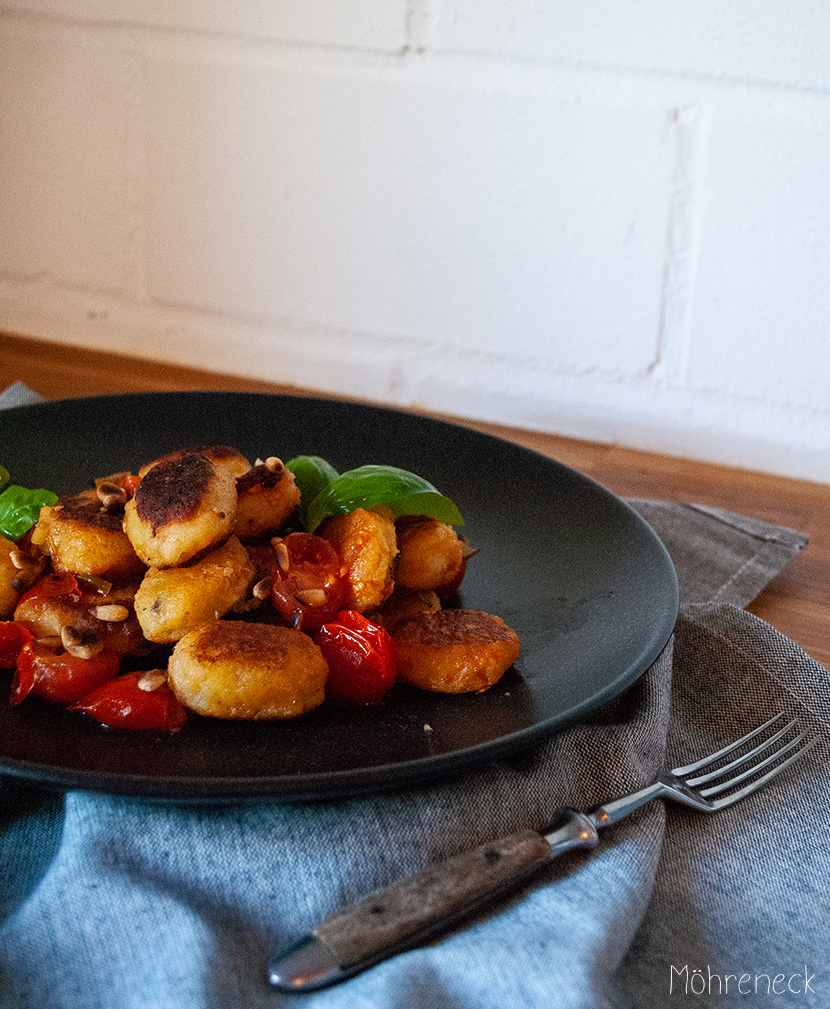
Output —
(308, 579)
(12, 639)
(59, 676)
(122, 704)
(130, 483)
(362, 658)
(53, 587)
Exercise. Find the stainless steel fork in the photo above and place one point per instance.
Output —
(412, 910)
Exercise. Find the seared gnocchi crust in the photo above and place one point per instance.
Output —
(454, 651)
(367, 544)
(172, 601)
(181, 508)
(222, 456)
(84, 538)
(266, 496)
(236, 669)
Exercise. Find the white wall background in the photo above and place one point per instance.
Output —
(604, 219)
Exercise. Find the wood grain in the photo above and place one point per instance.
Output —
(431, 899)
(796, 601)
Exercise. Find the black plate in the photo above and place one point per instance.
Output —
(577, 573)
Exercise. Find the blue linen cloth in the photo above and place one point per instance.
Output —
(114, 903)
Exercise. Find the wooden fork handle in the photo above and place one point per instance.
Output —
(412, 910)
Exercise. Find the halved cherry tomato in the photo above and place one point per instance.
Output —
(313, 570)
(59, 676)
(53, 586)
(12, 639)
(362, 658)
(122, 704)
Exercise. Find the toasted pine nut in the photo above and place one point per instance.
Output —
(152, 680)
(275, 464)
(87, 650)
(262, 589)
(19, 559)
(466, 550)
(112, 613)
(311, 597)
(71, 637)
(50, 641)
(283, 557)
(110, 495)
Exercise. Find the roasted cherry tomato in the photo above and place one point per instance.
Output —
(12, 639)
(122, 704)
(361, 656)
(309, 582)
(130, 483)
(59, 676)
(53, 586)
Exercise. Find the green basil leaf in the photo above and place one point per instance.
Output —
(404, 492)
(20, 509)
(4, 477)
(312, 474)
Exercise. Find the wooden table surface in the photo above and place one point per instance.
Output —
(796, 601)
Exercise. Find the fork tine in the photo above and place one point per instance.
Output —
(700, 779)
(751, 771)
(753, 786)
(704, 761)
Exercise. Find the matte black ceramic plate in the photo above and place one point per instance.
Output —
(578, 574)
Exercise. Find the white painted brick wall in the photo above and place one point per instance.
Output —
(609, 221)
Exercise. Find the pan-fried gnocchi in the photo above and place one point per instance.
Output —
(181, 509)
(201, 563)
(172, 601)
(81, 535)
(234, 669)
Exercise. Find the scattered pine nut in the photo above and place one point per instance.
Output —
(110, 495)
(71, 637)
(112, 613)
(87, 650)
(283, 557)
(50, 641)
(152, 680)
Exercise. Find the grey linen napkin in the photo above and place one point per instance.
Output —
(114, 903)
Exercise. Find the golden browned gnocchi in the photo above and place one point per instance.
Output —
(83, 537)
(172, 601)
(431, 555)
(103, 621)
(235, 669)
(367, 544)
(403, 604)
(181, 508)
(266, 496)
(454, 651)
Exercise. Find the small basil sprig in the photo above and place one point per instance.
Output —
(20, 509)
(312, 475)
(404, 492)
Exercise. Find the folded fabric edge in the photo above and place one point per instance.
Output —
(18, 394)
